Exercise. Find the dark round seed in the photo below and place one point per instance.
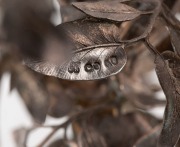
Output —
(88, 67)
(114, 60)
(96, 65)
(107, 63)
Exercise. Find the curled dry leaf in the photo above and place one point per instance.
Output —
(166, 71)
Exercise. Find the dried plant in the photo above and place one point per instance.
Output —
(115, 44)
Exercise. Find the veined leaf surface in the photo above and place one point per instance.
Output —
(96, 52)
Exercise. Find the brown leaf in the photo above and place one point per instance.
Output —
(150, 139)
(123, 130)
(97, 48)
(137, 88)
(96, 52)
(31, 90)
(89, 137)
(111, 10)
(66, 96)
(28, 84)
(27, 25)
(61, 102)
(170, 132)
(69, 13)
(170, 85)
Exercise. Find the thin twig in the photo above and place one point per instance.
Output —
(71, 119)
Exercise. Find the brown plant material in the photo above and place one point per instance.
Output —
(89, 137)
(96, 40)
(108, 10)
(150, 139)
(33, 93)
(119, 130)
(170, 133)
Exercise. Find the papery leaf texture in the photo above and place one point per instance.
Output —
(96, 52)
(112, 10)
(167, 72)
(167, 67)
(96, 46)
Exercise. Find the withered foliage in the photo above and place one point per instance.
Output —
(113, 43)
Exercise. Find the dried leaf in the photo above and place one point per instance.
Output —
(170, 84)
(111, 10)
(98, 49)
(27, 25)
(137, 88)
(150, 139)
(61, 101)
(175, 39)
(120, 131)
(69, 13)
(89, 137)
(96, 52)
(66, 96)
(31, 90)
